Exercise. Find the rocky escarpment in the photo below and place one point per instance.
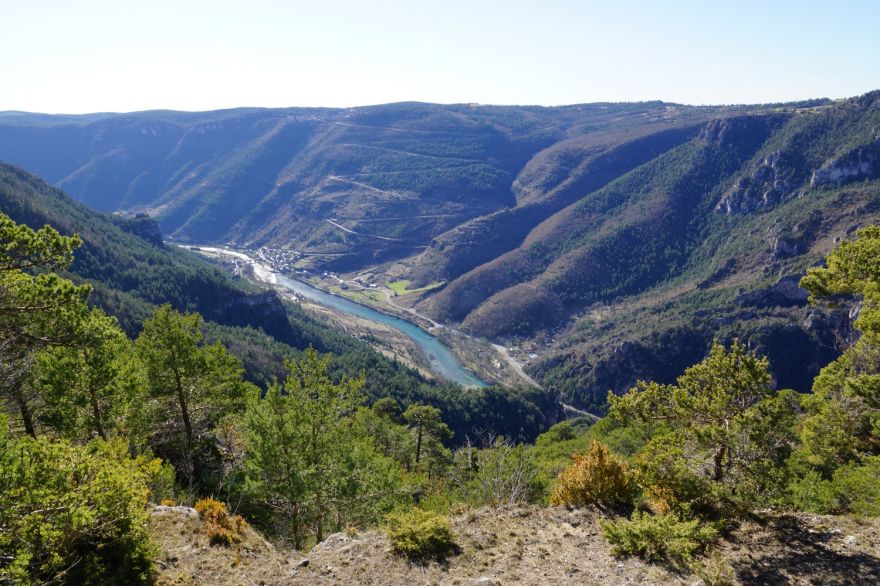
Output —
(764, 188)
(142, 226)
(785, 292)
(264, 311)
(775, 179)
(805, 158)
(786, 241)
(859, 164)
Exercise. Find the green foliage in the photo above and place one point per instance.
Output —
(430, 432)
(671, 482)
(383, 423)
(659, 537)
(194, 384)
(94, 387)
(856, 487)
(564, 431)
(402, 287)
(420, 534)
(853, 488)
(74, 514)
(843, 415)
(68, 513)
(306, 460)
(519, 413)
(596, 477)
(552, 451)
(27, 249)
(812, 493)
(717, 431)
(852, 269)
(768, 441)
(36, 310)
(837, 467)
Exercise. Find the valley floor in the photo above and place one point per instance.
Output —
(524, 545)
(490, 362)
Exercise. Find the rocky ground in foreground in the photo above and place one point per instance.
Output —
(524, 545)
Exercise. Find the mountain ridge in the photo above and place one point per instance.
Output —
(543, 229)
(179, 166)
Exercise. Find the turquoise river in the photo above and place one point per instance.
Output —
(440, 358)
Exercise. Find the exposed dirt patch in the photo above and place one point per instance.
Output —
(187, 559)
(805, 549)
(525, 545)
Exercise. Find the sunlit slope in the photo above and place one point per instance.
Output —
(348, 187)
(706, 239)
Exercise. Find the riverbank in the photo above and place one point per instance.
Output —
(416, 340)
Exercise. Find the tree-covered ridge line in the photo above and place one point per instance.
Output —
(241, 175)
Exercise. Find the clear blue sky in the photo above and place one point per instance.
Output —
(119, 55)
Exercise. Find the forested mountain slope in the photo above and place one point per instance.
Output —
(131, 271)
(127, 263)
(346, 187)
(704, 240)
(604, 242)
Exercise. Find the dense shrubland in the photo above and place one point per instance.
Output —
(100, 426)
(170, 415)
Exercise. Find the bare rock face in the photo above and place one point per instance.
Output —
(726, 130)
(785, 292)
(783, 248)
(763, 189)
(856, 165)
(263, 311)
(790, 241)
(771, 183)
(175, 510)
(142, 226)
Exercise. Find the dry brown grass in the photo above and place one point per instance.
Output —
(188, 558)
(524, 545)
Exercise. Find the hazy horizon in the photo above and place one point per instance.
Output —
(100, 56)
(319, 107)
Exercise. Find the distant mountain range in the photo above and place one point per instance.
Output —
(610, 241)
(394, 176)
